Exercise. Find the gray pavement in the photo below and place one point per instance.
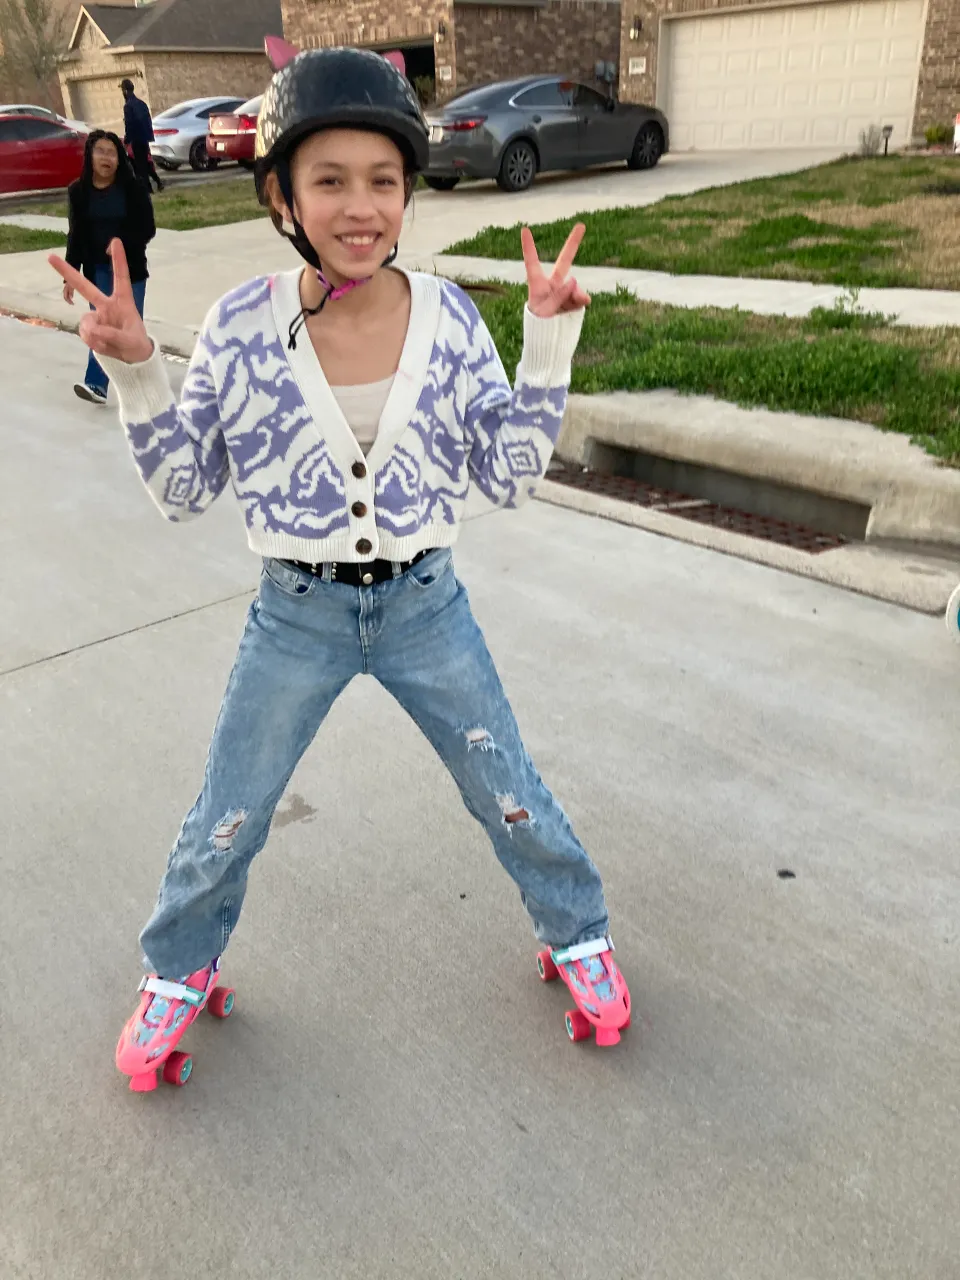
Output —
(394, 1096)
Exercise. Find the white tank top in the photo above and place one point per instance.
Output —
(362, 406)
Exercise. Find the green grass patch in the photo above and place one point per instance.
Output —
(20, 240)
(836, 362)
(207, 204)
(855, 222)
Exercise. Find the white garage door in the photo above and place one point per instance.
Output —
(98, 102)
(808, 75)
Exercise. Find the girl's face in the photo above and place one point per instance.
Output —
(349, 193)
(105, 160)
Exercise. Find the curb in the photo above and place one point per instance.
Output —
(908, 579)
(174, 340)
(911, 497)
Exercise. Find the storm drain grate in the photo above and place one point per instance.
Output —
(701, 510)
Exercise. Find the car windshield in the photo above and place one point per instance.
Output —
(251, 108)
(476, 99)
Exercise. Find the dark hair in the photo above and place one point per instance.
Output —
(125, 175)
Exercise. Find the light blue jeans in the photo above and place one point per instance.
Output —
(103, 279)
(304, 641)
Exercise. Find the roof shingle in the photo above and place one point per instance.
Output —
(190, 24)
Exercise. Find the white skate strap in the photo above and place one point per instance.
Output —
(172, 990)
(581, 952)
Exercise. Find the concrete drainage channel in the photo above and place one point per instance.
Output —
(757, 508)
(824, 498)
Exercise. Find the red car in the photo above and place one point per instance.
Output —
(37, 154)
(232, 137)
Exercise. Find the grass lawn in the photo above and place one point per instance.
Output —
(855, 222)
(838, 362)
(205, 204)
(20, 240)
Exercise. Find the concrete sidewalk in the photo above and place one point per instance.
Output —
(923, 308)
(190, 270)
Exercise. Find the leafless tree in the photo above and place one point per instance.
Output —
(33, 35)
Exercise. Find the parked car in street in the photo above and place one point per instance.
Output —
(37, 153)
(180, 133)
(45, 113)
(515, 129)
(233, 137)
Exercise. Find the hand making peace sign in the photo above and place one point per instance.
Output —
(550, 295)
(114, 327)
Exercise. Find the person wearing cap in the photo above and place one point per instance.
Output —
(138, 134)
(351, 405)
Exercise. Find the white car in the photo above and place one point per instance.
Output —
(180, 134)
(28, 109)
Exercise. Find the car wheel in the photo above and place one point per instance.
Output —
(440, 184)
(518, 168)
(200, 161)
(648, 147)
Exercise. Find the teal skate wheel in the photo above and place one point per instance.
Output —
(177, 1069)
(578, 1025)
(952, 616)
(221, 1001)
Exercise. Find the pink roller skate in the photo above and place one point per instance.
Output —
(148, 1042)
(597, 986)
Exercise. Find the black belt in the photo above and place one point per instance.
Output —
(349, 573)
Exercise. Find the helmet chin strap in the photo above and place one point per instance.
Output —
(295, 233)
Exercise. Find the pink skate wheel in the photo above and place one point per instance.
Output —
(545, 967)
(177, 1068)
(221, 1000)
(577, 1024)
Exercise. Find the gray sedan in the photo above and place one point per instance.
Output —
(515, 129)
(180, 133)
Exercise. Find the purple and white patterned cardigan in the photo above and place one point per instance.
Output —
(264, 418)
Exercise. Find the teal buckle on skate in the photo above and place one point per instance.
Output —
(582, 952)
(173, 990)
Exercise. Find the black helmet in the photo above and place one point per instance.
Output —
(330, 88)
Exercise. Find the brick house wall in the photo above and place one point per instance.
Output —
(378, 24)
(91, 90)
(90, 84)
(495, 42)
(478, 41)
(173, 77)
(938, 91)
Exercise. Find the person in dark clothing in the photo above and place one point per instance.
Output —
(138, 134)
(106, 203)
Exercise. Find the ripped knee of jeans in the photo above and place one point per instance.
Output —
(479, 740)
(513, 814)
(223, 834)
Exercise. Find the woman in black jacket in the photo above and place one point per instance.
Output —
(107, 202)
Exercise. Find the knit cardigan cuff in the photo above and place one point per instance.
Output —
(144, 389)
(548, 347)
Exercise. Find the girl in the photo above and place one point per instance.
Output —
(106, 203)
(350, 405)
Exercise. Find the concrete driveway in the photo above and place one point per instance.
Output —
(394, 1097)
(190, 270)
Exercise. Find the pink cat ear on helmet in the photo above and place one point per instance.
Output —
(279, 52)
